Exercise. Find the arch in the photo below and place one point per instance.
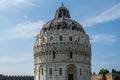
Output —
(43, 39)
(51, 38)
(81, 71)
(71, 54)
(53, 54)
(60, 71)
(61, 38)
(117, 78)
(70, 38)
(71, 72)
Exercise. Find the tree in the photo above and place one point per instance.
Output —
(103, 72)
(113, 70)
(93, 73)
(119, 72)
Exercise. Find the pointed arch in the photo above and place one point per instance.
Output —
(71, 72)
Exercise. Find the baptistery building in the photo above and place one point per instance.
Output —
(62, 49)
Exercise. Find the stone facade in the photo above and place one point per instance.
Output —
(110, 76)
(62, 50)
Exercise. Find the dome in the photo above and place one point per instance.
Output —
(62, 21)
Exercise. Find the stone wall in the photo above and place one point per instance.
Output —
(96, 77)
(43, 71)
(110, 76)
(11, 77)
(43, 50)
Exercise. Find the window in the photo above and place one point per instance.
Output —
(60, 14)
(86, 71)
(71, 54)
(61, 38)
(70, 38)
(60, 71)
(80, 71)
(73, 27)
(42, 71)
(50, 71)
(65, 25)
(43, 39)
(78, 38)
(59, 25)
(80, 29)
(53, 54)
(51, 38)
(75, 42)
(64, 13)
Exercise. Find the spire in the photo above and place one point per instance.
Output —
(62, 4)
(61, 12)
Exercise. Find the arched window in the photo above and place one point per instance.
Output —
(78, 38)
(60, 14)
(51, 38)
(50, 71)
(53, 54)
(61, 38)
(64, 13)
(59, 25)
(70, 38)
(75, 42)
(60, 71)
(71, 55)
(42, 72)
(86, 71)
(80, 71)
(43, 39)
(65, 25)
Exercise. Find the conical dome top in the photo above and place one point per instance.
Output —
(62, 21)
(62, 12)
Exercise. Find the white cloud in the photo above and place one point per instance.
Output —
(22, 30)
(104, 38)
(110, 14)
(16, 58)
(17, 64)
(5, 4)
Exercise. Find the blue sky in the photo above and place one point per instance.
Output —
(21, 21)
